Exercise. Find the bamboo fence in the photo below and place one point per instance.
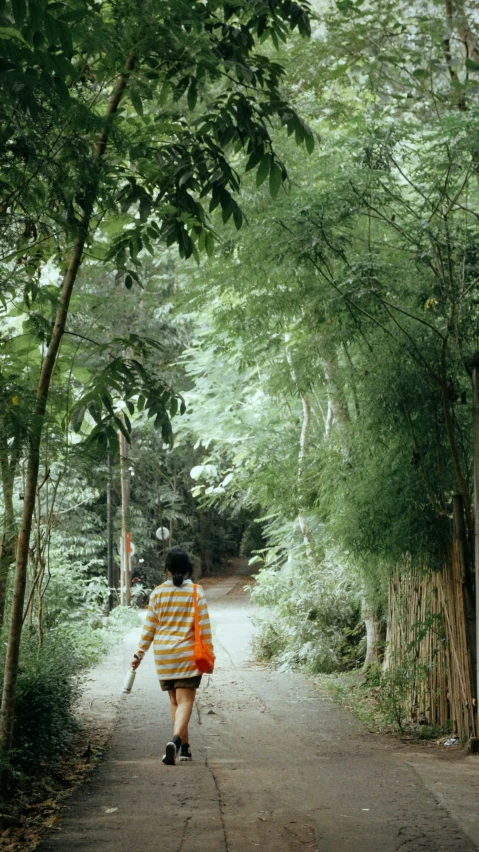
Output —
(426, 636)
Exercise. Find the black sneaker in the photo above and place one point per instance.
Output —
(185, 752)
(169, 758)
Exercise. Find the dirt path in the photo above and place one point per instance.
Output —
(276, 767)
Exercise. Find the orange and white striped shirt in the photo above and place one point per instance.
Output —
(170, 626)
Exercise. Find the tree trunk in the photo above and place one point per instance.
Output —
(451, 436)
(352, 381)
(206, 555)
(457, 20)
(303, 451)
(373, 636)
(460, 533)
(340, 417)
(339, 406)
(16, 617)
(8, 542)
(7, 716)
(457, 14)
(475, 381)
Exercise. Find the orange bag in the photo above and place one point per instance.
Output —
(202, 654)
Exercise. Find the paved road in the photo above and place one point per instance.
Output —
(276, 768)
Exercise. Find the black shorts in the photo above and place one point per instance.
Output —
(181, 683)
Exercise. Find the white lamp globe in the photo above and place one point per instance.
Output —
(162, 534)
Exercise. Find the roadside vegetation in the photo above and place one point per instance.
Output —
(335, 366)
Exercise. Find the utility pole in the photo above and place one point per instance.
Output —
(162, 538)
(110, 565)
(125, 536)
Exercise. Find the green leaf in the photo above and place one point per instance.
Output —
(264, 169)
(209, 245)
(275, 179)
(22, 343)
(346, 5)
(36, 16)
(165, 91)
(66, 39)
(254, 158)
(19, 10)
(51, 28)
(185, 177)
(471, 65)
(62, 90)
(166, 433)
(226, 212)
(144, 208)
(420, 73)
(136, 102)
(237, 214)
(192, 96)
(74, 16)
(11, 32)
(81, 374)
(77, 417)
(338, 71)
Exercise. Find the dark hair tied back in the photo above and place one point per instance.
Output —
(178, 564)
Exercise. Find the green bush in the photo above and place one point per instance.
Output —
(311, 618)
(269, 642)
(397, 685)
(49, 686)
(47, 690)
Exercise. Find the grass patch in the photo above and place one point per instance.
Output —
(369, 699)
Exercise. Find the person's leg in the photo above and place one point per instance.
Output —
(173, 704)
(185, 699)
(182, 700)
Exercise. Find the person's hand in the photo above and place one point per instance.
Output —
(135, 663)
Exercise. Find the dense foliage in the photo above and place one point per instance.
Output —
(346, 316)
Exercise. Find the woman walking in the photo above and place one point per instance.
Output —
(170, 624)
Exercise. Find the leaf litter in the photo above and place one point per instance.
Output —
(35, 805)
